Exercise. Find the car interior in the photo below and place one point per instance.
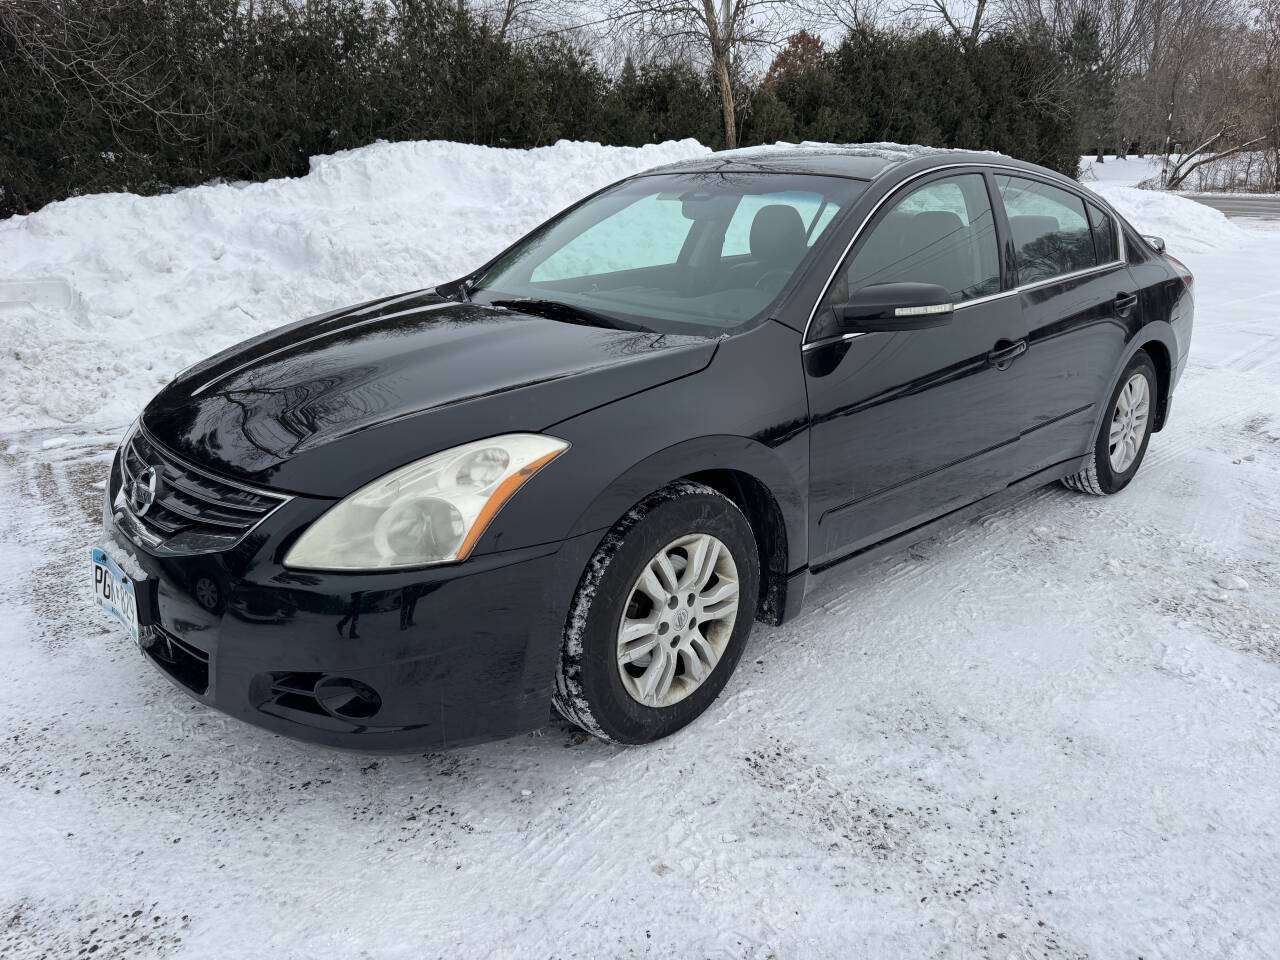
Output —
(735, 252)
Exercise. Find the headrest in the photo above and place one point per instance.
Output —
(1027, 229)
(935, 224)
(777, 235)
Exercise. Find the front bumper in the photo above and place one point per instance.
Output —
(387, 662)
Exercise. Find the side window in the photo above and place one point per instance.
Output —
(1135, 249)
(942, 233)
(814, 209)
(1050, 231)
(1104, 234)
(647, 233)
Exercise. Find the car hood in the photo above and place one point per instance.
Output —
(322, 406)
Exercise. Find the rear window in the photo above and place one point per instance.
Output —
(1051, 232)
(1135, 248)
(1104, 234)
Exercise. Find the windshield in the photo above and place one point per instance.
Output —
(701, 253)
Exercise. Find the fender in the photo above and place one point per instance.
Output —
(1158, 331)
(702, 454)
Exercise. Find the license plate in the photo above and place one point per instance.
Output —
(114, 590)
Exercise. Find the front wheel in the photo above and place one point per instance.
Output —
(1122, 441)
(661, 616)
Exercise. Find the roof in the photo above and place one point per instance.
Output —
(860, 160)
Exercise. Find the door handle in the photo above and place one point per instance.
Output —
(1125, 302)
(1002, 356)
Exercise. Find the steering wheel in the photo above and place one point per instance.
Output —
(781, 272)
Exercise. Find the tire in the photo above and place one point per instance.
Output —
(679, 522)
(1100, 475)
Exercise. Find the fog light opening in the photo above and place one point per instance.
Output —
(347, 699)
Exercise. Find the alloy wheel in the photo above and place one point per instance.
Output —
(1129, 423)
(678, 619)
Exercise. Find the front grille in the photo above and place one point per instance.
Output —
(191, 507)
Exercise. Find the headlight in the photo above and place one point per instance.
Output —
(431, 511)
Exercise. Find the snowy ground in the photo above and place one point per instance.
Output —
(1053, 731)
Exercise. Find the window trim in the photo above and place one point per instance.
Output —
(981, 167)
(965, 304)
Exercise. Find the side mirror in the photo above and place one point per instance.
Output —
(1155, 243)
(885, 307)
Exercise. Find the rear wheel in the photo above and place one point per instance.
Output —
(1122, 440)
(661, 616)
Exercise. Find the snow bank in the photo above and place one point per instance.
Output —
(149, 285)
(103, 298)
(1184, 224)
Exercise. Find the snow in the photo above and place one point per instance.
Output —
(1051, 731)
(1184, 224)
(104, 298)
(1130, 170)
(129, 290)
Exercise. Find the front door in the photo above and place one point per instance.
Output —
(910, 425)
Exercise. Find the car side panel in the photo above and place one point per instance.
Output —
(1164, 298)
(908, 426)
(1075, 336)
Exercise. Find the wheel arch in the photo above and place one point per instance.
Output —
(761, 509)
(1161, 345)
(745, 471)
(1162, 359)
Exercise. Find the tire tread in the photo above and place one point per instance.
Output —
(1086, 480)
(569, 699)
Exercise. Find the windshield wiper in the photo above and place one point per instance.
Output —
(568, 313)
(458, 291)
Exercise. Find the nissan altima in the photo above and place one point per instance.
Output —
(577, 475)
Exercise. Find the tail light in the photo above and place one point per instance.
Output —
(1183, 272)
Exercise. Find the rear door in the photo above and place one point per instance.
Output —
(1078, 303)
(909, 425)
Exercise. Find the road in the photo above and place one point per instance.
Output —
(1241, 205)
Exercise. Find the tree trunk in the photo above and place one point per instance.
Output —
(726, 97)
(1168, 138)
(1200, 156)
(976, 30)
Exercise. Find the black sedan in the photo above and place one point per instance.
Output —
(577, 475)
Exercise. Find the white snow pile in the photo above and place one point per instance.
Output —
(1184, 224)
(136, 288)
(104, 298)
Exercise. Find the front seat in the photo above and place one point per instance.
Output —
(777, 244)
(944, 256)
